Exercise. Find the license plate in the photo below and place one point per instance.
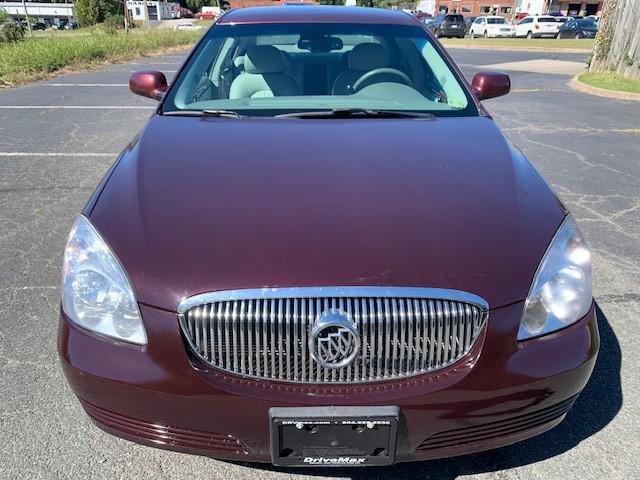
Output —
(333, 436)
(454, 26)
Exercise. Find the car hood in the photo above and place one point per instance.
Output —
(204, 204)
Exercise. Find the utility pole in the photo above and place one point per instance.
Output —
(125, 15)
(26, 16)
(145, 12)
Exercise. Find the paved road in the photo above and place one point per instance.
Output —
(58, 137)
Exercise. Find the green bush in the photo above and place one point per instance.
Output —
(11, 32)
(112, 23)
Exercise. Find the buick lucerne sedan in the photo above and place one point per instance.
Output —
(305, 258)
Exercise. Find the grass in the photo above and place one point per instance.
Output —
(38, 57)
(610, 81)
(521, 43)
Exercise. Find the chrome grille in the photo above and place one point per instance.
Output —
(264, 333)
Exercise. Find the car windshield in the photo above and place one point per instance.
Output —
(275, 69)
(454, 18)
(546, 20)
(496, 20)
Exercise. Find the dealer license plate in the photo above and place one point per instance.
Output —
(333, 436)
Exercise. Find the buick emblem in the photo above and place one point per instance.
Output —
(334, 340)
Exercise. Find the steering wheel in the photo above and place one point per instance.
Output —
(366, 79)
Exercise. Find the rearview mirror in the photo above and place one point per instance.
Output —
(490, 84)
(320, 43)
(148, 83)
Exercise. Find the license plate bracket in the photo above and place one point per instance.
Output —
(333, 436)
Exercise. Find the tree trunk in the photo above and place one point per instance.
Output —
(617, 45)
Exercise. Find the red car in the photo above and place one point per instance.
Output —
(362, 271)
(206, 15)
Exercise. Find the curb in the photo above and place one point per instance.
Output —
(450, 46)
(602, 92)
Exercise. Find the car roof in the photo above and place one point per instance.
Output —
(316, 14)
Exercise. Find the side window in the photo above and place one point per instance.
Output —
(478, 20)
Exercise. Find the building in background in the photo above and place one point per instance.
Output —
(559, 7)
(584, 8)
(45, 12)
(426, 6)
(157, 10)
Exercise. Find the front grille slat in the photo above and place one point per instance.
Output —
(266, 335)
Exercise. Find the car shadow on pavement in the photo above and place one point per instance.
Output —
(598, 404)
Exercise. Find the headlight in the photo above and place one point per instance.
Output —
(96, 293)
(561, 291)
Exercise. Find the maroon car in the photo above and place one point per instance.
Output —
(362, 271)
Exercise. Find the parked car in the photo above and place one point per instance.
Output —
(491, 26)
(578, 29)
(187, 26)
(71, 26)
(39, 26)
(363, 237)
(537, 27)
(593, 18)
(206, 15)
(58, 25)
(448, 25)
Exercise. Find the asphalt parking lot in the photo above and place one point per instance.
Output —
(58, 137)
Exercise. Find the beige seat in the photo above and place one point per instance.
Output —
(362, 59)
(264, 75)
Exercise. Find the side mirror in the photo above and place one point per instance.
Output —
(490, 84)
(148, 83)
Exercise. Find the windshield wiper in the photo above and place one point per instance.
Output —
(357, 112)
(205, 113)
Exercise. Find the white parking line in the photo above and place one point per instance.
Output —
(85, 84)
(56, 154)
(76, 107)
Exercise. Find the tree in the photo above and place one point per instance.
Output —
(90, 12)
(617, 45)
(196, 5)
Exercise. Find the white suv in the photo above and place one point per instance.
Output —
(538, 26)
(491, 26)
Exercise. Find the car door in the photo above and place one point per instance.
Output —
(568, 29)
(483, 26)
(523, 27)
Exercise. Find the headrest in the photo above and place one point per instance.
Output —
(368, 56)
(239, 61)
(263, 59)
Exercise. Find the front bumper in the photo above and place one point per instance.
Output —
(503, 392)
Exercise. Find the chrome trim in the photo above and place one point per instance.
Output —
(402, 331)
(329, 292)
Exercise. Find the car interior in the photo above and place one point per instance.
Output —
(314, 64)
